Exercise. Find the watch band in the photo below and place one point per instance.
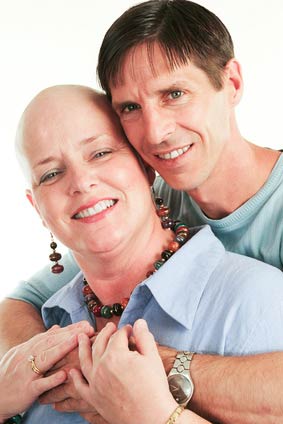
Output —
(179, 378)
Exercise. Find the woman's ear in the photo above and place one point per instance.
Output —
(30, 198)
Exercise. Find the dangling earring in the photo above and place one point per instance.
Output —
(55, 257)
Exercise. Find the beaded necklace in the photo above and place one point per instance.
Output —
(181, 236)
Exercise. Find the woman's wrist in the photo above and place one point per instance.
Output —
(175, 415)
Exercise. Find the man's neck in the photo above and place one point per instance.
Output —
(238, 178)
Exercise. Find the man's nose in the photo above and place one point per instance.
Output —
(159, 124)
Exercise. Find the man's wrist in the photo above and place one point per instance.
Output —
(168, 356)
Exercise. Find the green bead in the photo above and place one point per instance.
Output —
(158, 264)
(106, 311)
(179, 224)
(14, 420)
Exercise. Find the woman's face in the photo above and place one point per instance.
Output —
(87, 184)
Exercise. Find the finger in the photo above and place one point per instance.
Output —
(81, 385)
(85, 355)
(53, 337)
(77, 327)
(73, 405)
(120, 340)
(44, 384)
(47, 357)
(57, 394)
(145, 343)
(101, 342)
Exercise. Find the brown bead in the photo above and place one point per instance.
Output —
(55, 257)
(91, 304)
(53, 245)
(87, 290)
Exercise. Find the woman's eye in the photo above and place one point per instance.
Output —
(49, 176)
(175, 94)
(101, 154)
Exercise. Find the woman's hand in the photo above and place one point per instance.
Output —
(124, 386)
(20, 385)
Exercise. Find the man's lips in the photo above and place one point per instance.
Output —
(95, 209)
(174, 153)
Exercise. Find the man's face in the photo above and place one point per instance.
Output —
(175, 119)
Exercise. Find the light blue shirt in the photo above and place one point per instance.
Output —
(203, 299)
(255, 229)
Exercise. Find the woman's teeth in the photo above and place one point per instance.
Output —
(99, 207)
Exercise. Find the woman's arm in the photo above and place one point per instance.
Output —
(129, 387)
(27, 363)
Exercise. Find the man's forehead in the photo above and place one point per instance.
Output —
(144, 63)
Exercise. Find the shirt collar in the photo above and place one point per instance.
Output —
(178, 285)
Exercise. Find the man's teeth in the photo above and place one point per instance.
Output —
(99, 207)
(175, 153)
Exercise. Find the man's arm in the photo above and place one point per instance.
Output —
(19, 321)
(20, 314)
(243, 389)
(246, 389)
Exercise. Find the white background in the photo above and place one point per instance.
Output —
(48, 42)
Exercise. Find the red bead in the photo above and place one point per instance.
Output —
(57, 269)
(97, 310)
(125, 302)
(87, 290)
(174, 246)
(182, 228)
(163, 211)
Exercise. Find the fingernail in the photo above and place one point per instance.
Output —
(141, 323)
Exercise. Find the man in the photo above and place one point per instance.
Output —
(169, 69)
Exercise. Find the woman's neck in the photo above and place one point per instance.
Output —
(113, 275)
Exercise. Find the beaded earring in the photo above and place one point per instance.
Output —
(55, 257)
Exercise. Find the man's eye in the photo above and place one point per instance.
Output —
(129, 108)
(49, 176)
(175, 94)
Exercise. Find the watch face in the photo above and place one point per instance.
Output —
(180, 387)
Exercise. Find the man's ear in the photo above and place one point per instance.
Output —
(233, 75)
(30, 198)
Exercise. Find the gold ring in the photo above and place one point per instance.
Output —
(33, 366)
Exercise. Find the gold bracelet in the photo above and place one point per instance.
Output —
(175, 414)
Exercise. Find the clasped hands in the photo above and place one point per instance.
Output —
(104, 367)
